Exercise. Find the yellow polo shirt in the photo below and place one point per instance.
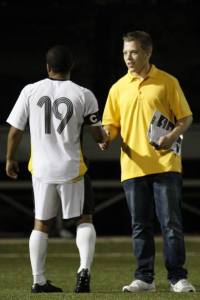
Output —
(130, 106)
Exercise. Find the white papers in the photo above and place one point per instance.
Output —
(160, 126)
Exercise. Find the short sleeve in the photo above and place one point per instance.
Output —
(20, 112)
(111, 114)
(91, 112)
(178, 102)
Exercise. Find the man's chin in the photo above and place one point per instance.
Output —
(132, 70)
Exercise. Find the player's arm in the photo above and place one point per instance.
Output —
(165, 142)
(99, 134)
(13, 141)
(95, 127)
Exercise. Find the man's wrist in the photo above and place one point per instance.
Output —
(10, 158)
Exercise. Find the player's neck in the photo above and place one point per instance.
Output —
(58, 76)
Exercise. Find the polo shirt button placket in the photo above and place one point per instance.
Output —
(139, 95)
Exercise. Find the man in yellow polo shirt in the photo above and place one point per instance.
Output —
(150, 172)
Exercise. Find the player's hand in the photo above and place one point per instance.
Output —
(104, 146)
(12, 169)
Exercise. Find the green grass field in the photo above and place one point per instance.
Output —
(113, 267)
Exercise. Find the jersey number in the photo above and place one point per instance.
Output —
(46, 101)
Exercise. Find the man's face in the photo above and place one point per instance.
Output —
(136, 58)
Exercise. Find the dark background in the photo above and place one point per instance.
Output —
(94, 30)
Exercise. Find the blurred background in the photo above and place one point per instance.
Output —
(94, 29)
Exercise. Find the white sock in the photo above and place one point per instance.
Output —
(85, 241)
(38, 243)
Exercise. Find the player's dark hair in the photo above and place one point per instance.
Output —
(59, 58)
(143, 37)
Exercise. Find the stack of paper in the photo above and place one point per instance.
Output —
(160, 126)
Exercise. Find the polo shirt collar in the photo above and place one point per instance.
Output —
(152, 73)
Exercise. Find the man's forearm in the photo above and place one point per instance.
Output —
(112, 131)
(181, 126)
(14, 138)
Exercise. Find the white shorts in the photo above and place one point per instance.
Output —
(48, 197)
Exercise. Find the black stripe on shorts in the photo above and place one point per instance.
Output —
(88, 207)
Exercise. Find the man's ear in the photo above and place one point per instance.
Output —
(48, 68)
(149, 53)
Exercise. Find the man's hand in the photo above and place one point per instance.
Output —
(104, 146)
(112, 133)
(165, 142)
(12, 169)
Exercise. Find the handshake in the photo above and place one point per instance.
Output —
(103, 146)
(110, 133)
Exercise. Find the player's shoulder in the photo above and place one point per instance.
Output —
(83, 91)
(34, 85)
(75, 86)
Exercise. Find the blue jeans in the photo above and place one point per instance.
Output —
(160, 193)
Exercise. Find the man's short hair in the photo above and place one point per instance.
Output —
(59, 59)
(143, 37)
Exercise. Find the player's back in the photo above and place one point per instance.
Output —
(56, 115)
(57, 107)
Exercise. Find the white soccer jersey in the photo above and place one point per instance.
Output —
(56, 111)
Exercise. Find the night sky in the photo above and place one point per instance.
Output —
(94, 30)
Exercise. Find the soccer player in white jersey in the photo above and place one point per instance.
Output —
(56, 109)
